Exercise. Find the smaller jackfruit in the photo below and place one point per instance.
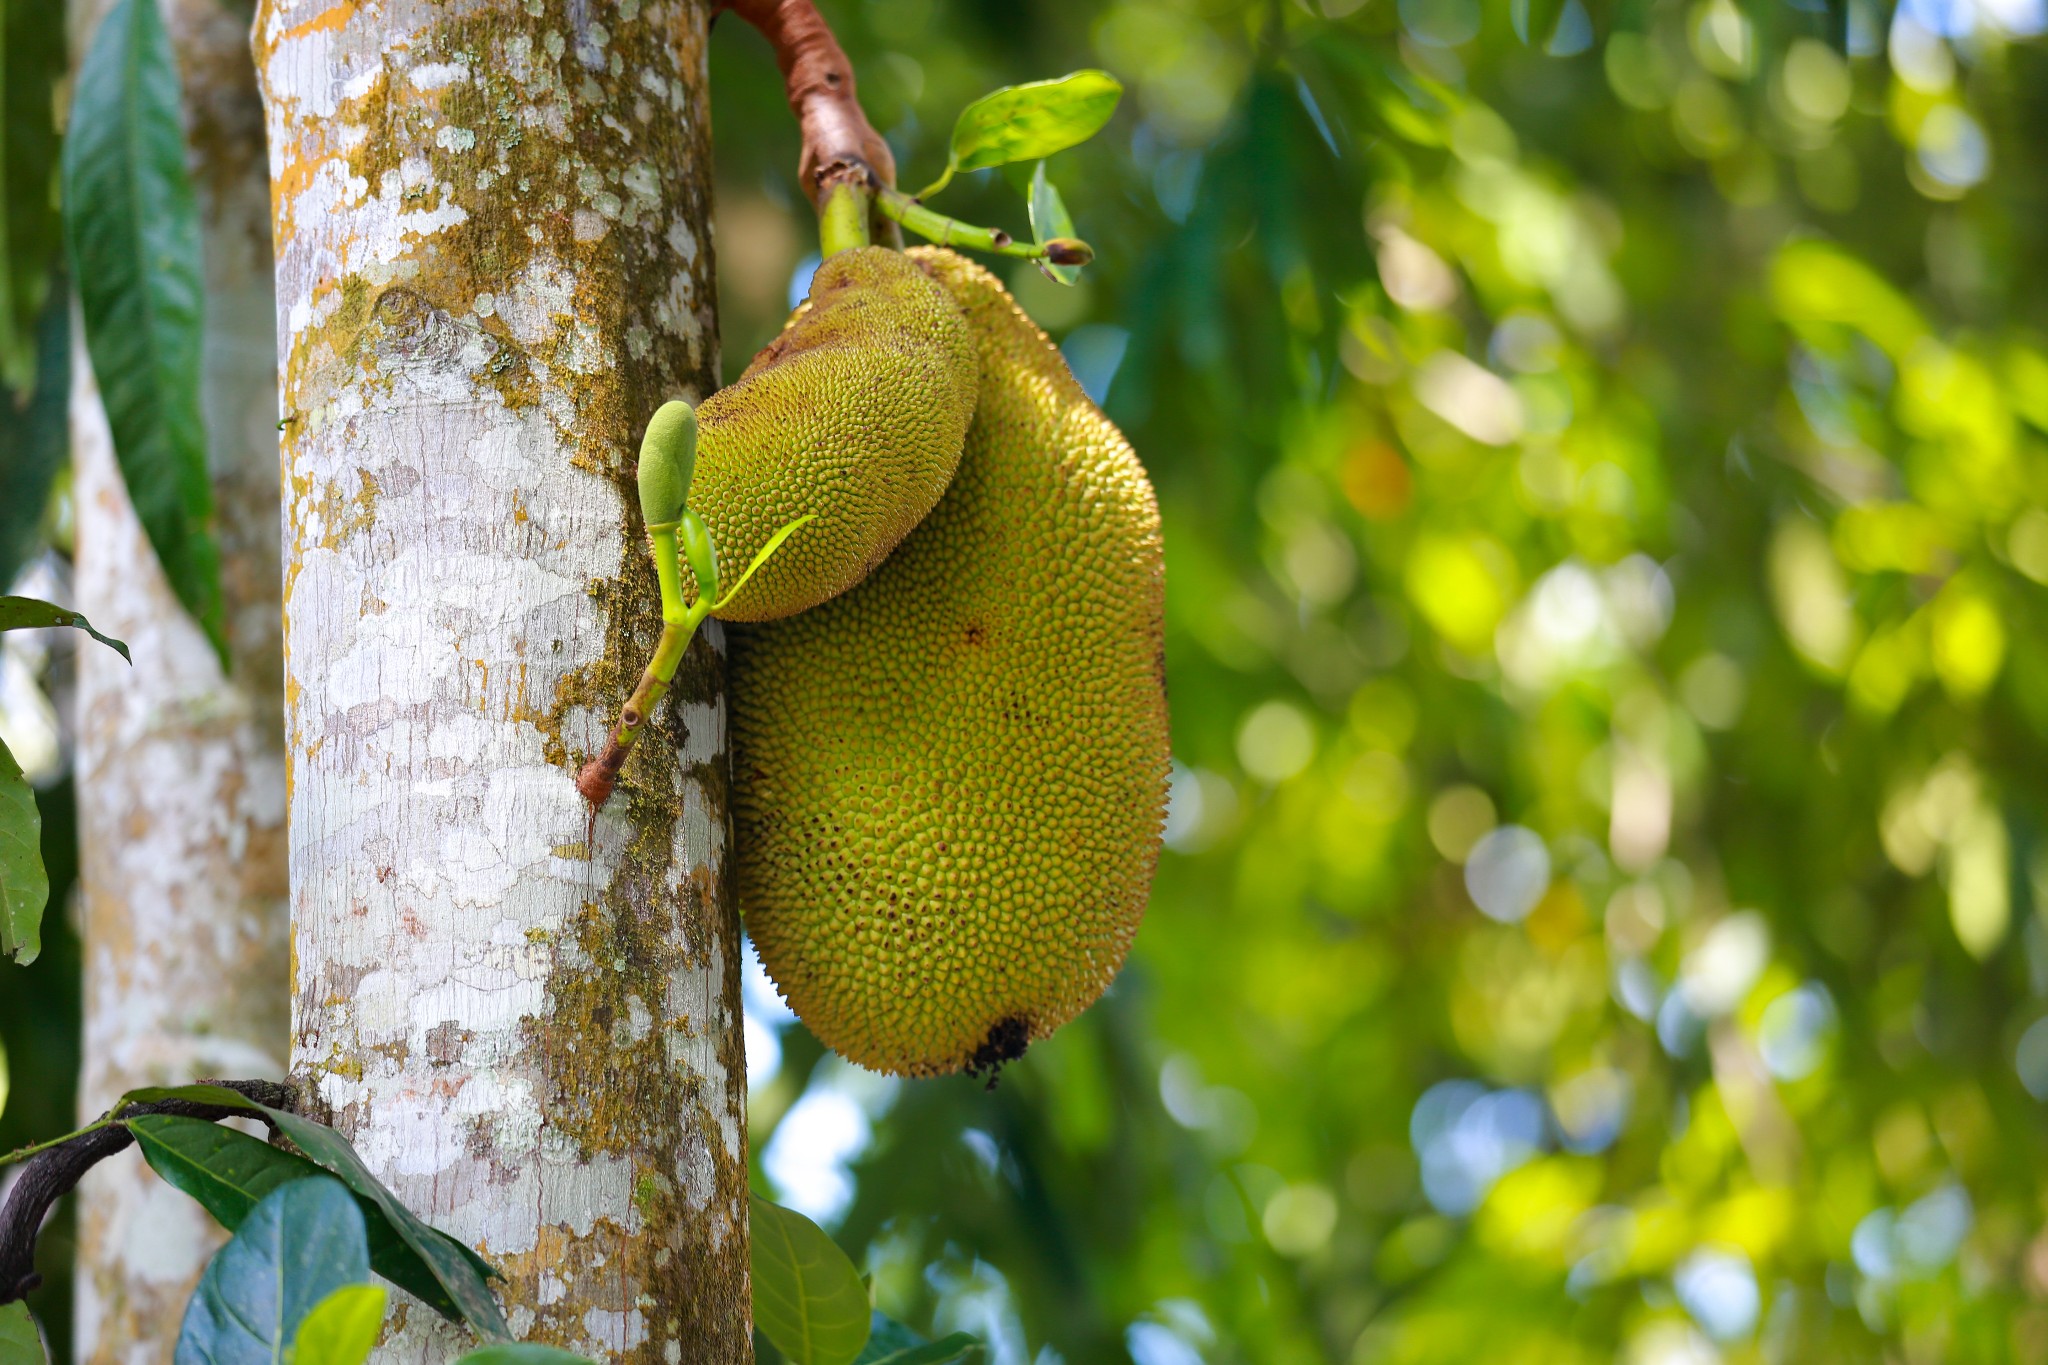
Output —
(854, 415)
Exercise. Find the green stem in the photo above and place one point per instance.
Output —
(937, 227)
(678, 628)
(668, 571)
(843, 217)
(601, 774)
(24, 1153)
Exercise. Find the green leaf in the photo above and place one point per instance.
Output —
(301, 1243)
(20, 1342)
(24, 885)
(32, 613)
(521, 1353)
(1029, 122)
(32, 62)
(891, 1343)
(342, 1329)
(133, 228)
(1050, 219)
(808, 1298)
(760, 558)
(198, 1093)
(229, 1173)
(455, 1266)
(35, 434)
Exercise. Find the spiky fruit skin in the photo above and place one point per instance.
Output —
(855, 414)
(950, 782)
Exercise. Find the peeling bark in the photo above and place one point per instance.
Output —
(493, 240)
(181, 788)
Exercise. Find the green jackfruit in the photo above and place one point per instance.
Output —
(855, 414)
(950, 781)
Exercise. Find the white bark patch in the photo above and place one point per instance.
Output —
(434, 75)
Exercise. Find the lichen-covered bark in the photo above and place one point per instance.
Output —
(492, 227)
(181, 768)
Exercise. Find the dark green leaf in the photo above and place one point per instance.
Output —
(457, 1268)
(133, 228)
(521, 1353)
(342, 1329)
(891, 1343)
(301, 1243)
(32, 61)
(1050, 219)
(460, 1271)
(229, 1172)
(20, 1342)
(35, 434)
(199, 1093)
(1030, 122)
(24, 885)
(808, 1298)
(30, 613)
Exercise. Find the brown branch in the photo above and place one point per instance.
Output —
(838, 139)
(48, 1176)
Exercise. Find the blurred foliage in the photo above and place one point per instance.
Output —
(1604, 453)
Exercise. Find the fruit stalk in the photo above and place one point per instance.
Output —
(843, 216)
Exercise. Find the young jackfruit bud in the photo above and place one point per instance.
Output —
(668, 457)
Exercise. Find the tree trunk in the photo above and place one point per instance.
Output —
(181, 780)
(492, 227)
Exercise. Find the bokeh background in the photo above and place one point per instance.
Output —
(1604, 456)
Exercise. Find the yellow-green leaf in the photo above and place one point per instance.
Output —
(342, 1328)
(1030, 122)
(808, 1298)
(20, 1342)
(1050, 219)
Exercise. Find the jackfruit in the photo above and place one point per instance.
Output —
(855, 413)
(950, 781)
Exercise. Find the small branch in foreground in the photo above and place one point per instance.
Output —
(54, 1170)
(595, 779)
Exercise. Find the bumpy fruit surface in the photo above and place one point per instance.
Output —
(950, 781)
(854, 414)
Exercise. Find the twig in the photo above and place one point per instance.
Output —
(596, 778)
(839, 142)
(51, 1174)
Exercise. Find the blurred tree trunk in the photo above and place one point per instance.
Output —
(492, 226)
(181, 778)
